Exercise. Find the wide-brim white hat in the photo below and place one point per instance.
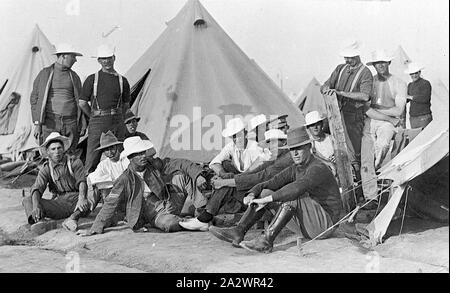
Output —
(379, 56)
(234, 126)
(134, 145)
(56, 136)
(65, 48)
(256, 121)
(351, 49)
(274, 134)
(104, 51)
(413, 68)
(312, 118)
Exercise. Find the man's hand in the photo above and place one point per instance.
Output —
(85, 233)
(37, 131)
(218, 183)
(37, 213)
(330, 92)
(261, 201)
(324, 88)
(201, 182)
(82, 132)
(82, 205)
(249, 198)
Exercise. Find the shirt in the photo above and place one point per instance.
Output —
(324, 148)
(107, 172)
(313, 178)
(108, 91)
(241, 159)
(64, 181)
(420, 91)
(393, 87)
(61, 99)
(137, 133)
(363, 84)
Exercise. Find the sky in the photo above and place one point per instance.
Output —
(292, 40)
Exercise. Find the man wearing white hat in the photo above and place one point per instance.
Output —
(352, 82)
(65, 179)
(109, 95)
(388, 100)
(142, 191)
(322, 145)
(420, 92)
(229, 193)
(54, 99)
(242, 151)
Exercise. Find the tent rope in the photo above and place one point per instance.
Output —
(345, 217)
(408, 188)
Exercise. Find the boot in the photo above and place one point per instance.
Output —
(264, 243)
(236, 234)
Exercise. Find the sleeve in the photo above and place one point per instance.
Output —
(366, 81)
(34, 96)
(225, 154)
(110, 205)
(42, 180)
(100, 174)
(297, 188)
(278, 181)
(332, 80)
(245, 181)
(78, 172)
(190, 168)
(423, 94)
(126, 91)
(88, 88)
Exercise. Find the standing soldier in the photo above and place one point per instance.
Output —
(54, 99)
(109, 94)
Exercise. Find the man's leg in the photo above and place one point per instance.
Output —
(236, 234)
(168, 222)
(194, 199)
(70, 130)
(313, 219)
(264, 243)
(384, 133)
(93, 156)
(229, 167)
(368, 176)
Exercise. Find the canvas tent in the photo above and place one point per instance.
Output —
(311, 99)
(16, 126)
(199, 78)
(413, 165)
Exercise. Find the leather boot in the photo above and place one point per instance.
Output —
(264, 243)
(236, 234)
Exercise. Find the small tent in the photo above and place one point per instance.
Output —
(16, 126)
(192, 80)
(311, 99)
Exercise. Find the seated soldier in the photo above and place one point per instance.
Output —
(108, 170)
(141, 191)
(238, 155)
(229, 193)
(306, 190)
(322, 145)
(66, 181)
(131, 122)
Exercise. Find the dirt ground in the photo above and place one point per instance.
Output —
(422, 247)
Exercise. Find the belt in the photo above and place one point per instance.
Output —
(58, 116)
(109, 112)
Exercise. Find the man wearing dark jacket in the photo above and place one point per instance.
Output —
(142, 193)
(229, 193)
(420, 92)
(54, 99)
(306, 190)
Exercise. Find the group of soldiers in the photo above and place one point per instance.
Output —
(265, 169)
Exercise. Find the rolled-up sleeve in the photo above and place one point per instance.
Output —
(366, 81)
(225, 154)
(78, 172)
(42, 180)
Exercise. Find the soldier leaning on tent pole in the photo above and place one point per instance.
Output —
(352, 83)
(54, 99)
(109, 94)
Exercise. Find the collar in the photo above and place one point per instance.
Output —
(110, 73)
(62, 162)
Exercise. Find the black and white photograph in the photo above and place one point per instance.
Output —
(226, 142)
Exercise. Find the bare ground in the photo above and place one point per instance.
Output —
(422, 248)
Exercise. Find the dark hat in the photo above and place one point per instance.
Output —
(107, 139)
(298, 137)
(130, 115)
